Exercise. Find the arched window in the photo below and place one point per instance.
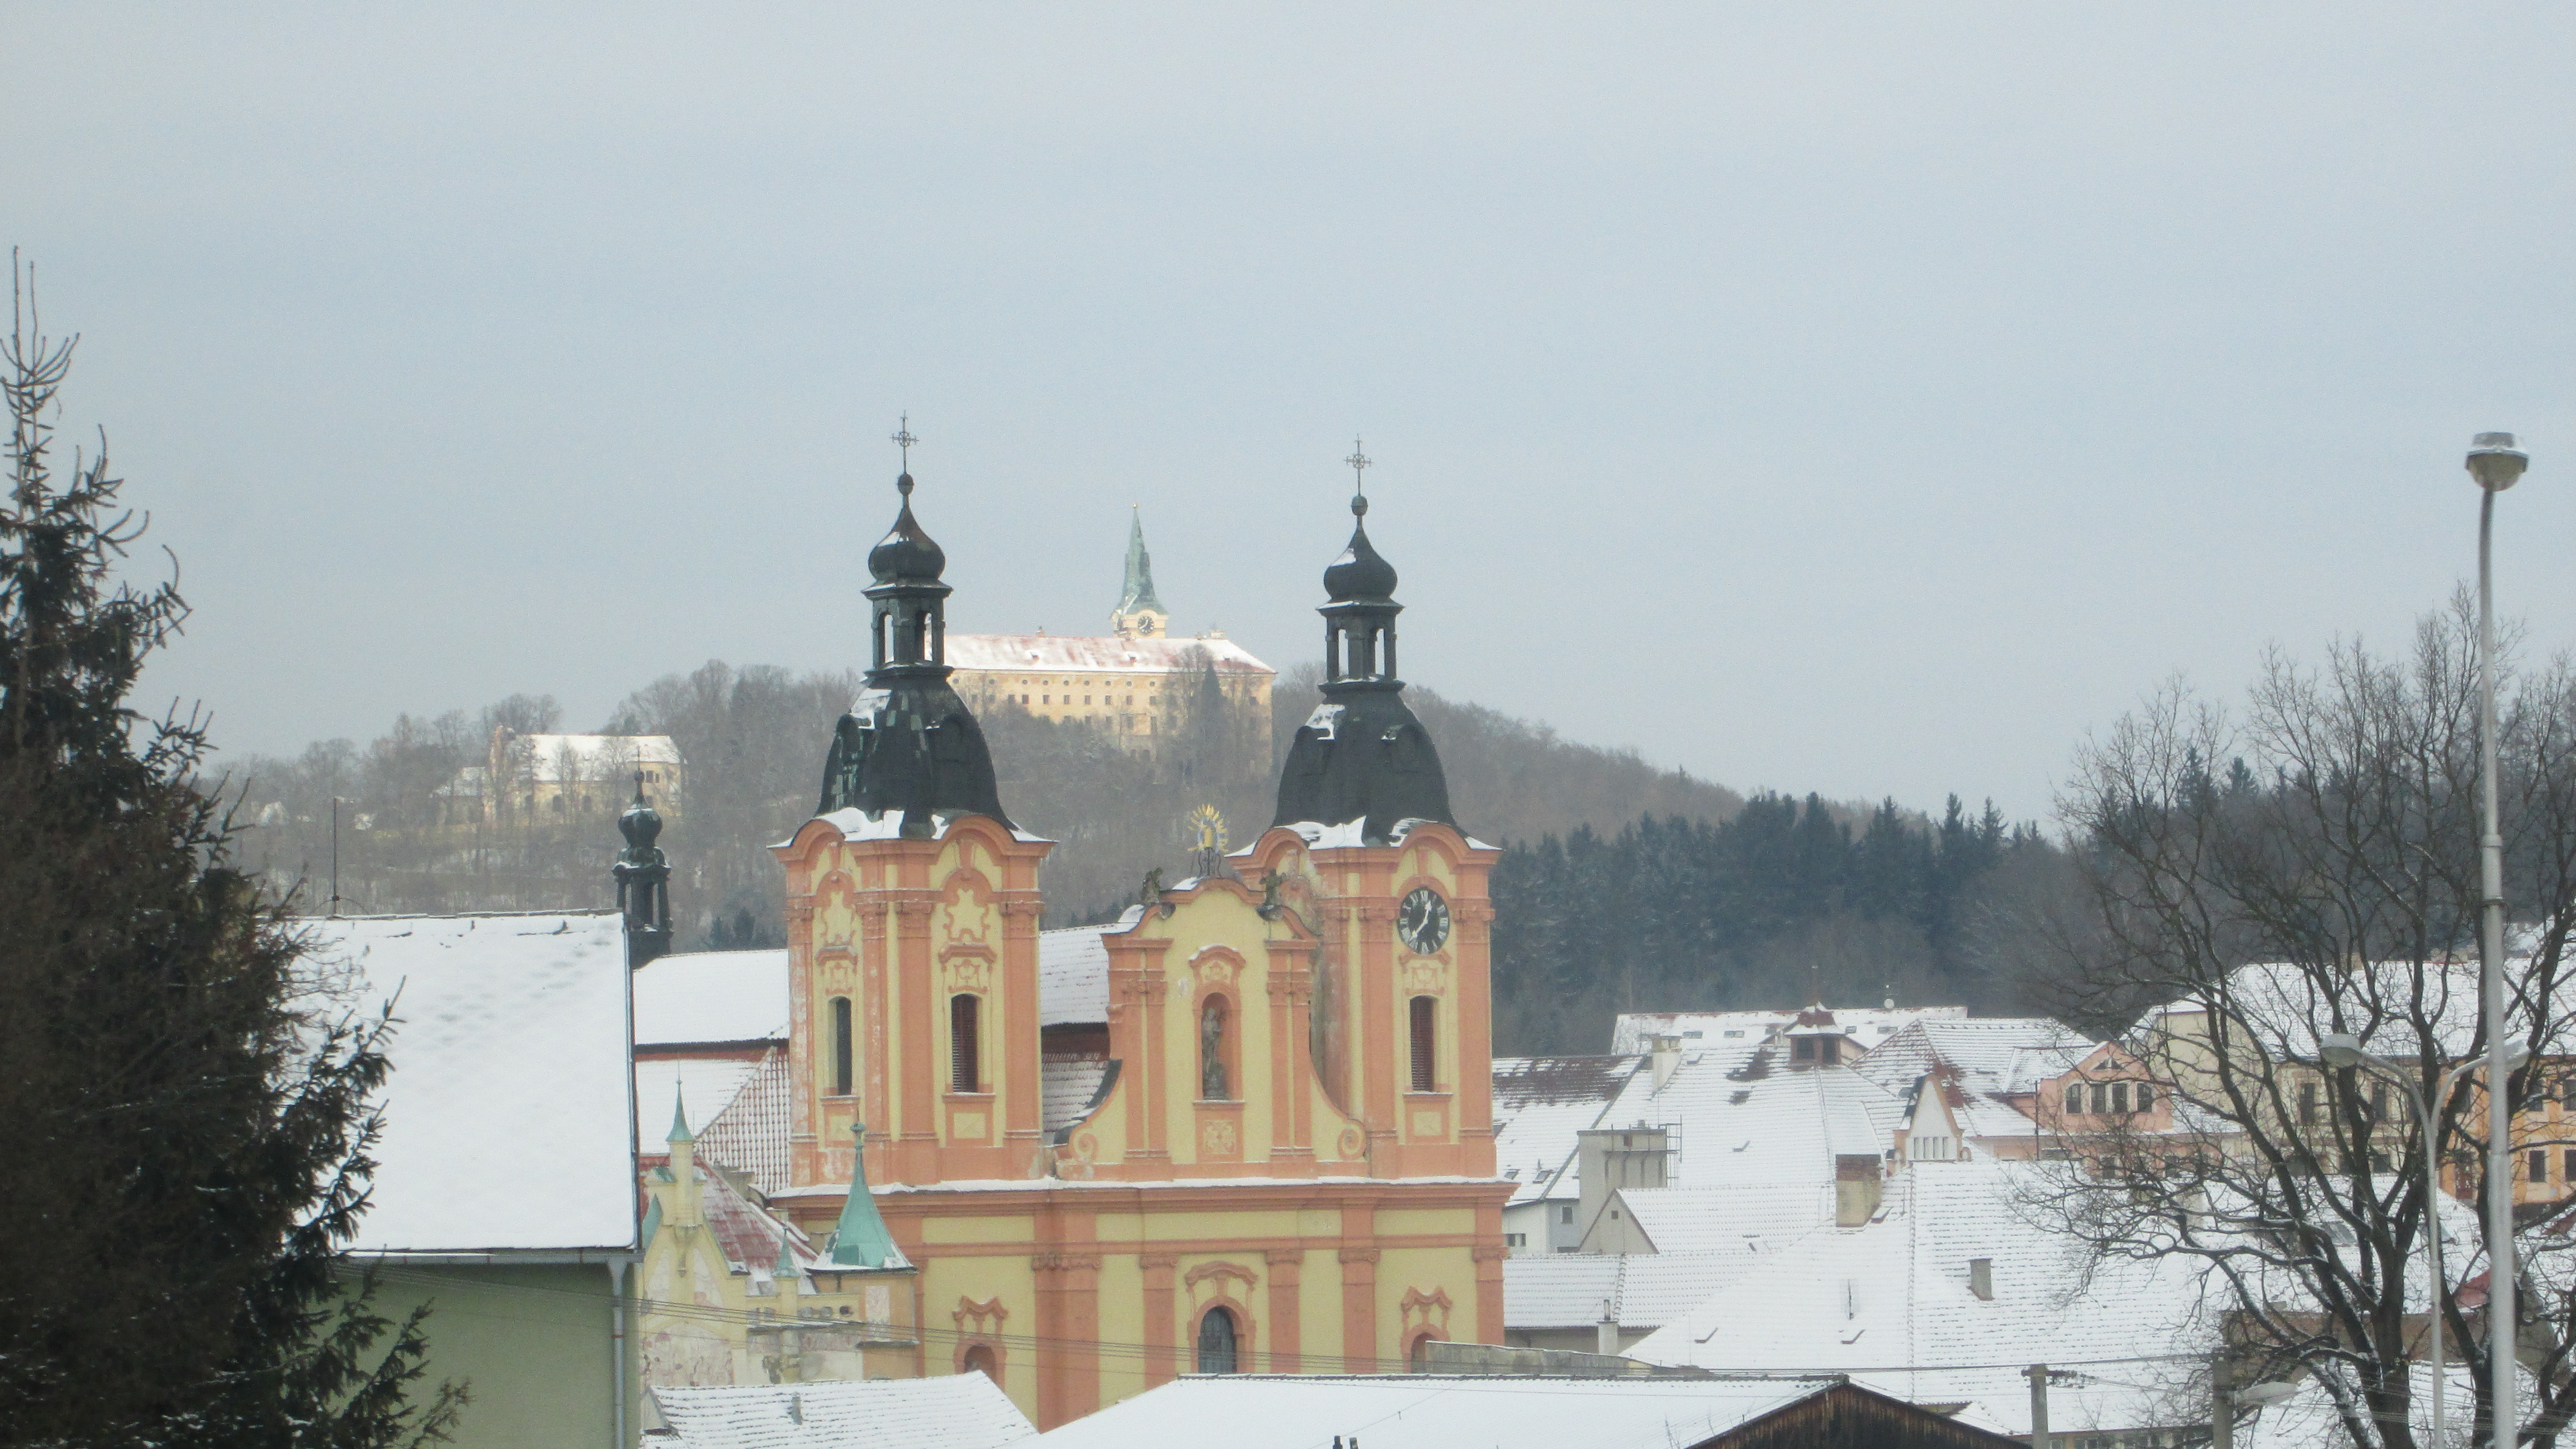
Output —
(840, 1046)
(1426, 1044)
(1216, 1342)
(979, 1360)
(1418, 1360)
(965, 1072)
(1212, 1024)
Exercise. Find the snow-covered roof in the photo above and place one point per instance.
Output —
(950, 1411)
(563, 759)
(1010, 652)
(1898, 1291)
(1868, 1025)
(749, 1134)
(1540, 1103)
(508, 1119)
(1645, 1290)
(1428, 1411)
(1992, 1053)
(712, 996)
(1067, 1083)
(705, 1085)
(1073, 976)
(2288, 1007)
(1743, 1218)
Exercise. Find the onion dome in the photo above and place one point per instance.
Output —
(907, 556)
(641, 825)
(1359, 573)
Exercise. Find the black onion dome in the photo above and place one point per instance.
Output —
(907, 556)
(1359, 573)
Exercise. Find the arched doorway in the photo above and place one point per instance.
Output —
(1217, 1342)
(979, 1360)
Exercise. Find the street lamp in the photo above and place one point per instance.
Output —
(2496, 464)
(2339, 1049)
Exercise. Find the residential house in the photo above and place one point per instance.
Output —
(504, 1189)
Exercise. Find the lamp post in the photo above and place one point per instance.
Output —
(2340, 1050)
(2496, 464)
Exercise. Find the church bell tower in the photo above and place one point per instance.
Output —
(1365, 835)
(912, 911)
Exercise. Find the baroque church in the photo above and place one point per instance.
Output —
(1246, 1128)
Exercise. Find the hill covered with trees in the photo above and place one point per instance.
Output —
(1624, 886)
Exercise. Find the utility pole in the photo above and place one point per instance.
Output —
(2222, 1405)
(2038, 1375)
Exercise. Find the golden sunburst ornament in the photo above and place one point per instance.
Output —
(1206, 828)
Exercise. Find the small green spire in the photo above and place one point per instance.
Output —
(679, 1117)
(861, 1240)
(1138, 595)
(785, 1269)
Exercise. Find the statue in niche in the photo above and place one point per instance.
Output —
(1212, 1051)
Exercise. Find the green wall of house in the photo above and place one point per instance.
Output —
(531, 1344)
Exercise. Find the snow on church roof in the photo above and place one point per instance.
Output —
(999, 652)
(508, 1123)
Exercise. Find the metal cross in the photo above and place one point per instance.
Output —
(1356, 462)
(904, 439)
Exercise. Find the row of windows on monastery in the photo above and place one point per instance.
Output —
(1217, 1066)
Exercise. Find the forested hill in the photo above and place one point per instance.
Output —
(1624, 886)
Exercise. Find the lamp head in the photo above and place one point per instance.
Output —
(2517, 1055)
(2260, 1395)
(2495, 462)
(2341, 1049)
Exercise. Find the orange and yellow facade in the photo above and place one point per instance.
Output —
(1285, 1117)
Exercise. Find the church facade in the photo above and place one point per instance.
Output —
(1248, 1127)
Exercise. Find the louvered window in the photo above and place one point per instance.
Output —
(965, 1071)
(1426, 1044)
(840, 1046)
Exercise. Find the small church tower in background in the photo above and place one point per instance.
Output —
(1139, 614)
(643, 877)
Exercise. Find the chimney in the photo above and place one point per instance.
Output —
(1858, 1183)
(1981, 1278)
(1610, 1158)
(1666, 1058)
(1605, 1333)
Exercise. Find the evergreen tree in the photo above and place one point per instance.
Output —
(188, 1133)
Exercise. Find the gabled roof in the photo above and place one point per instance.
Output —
(1540, 1103)
(1645, 1290)
(508, 1118)
(712, 996)
(1743, 1219)
(951, 1411)
(1897, 1291)
(1992, 1054)
(1867, 1025)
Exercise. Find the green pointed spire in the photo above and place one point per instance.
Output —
(861, 1239)
(1138, 595)
(679, 1117)
(785, 1268)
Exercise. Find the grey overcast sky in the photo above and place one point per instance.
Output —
(1867, 399)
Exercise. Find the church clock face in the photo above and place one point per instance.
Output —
(1422, 921)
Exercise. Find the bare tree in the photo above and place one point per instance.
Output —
(2308, 865)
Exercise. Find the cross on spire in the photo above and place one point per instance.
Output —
(1356, 462)
(904, 439)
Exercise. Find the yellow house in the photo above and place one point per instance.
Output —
(1248, 1127)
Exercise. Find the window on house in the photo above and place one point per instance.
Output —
(1515, 1240)
(1829, 1049)
(965, 1072)
(1216, 1342)
(2379, 1101)
(2145, 1097)
(2309, 1116)
(1565, 1213)
(2120, 1102)
(840, 1046)
(1802, 1049)
(2571, 1164)
(2074, 1099)
(2539, 1165)
(1426, 1043)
